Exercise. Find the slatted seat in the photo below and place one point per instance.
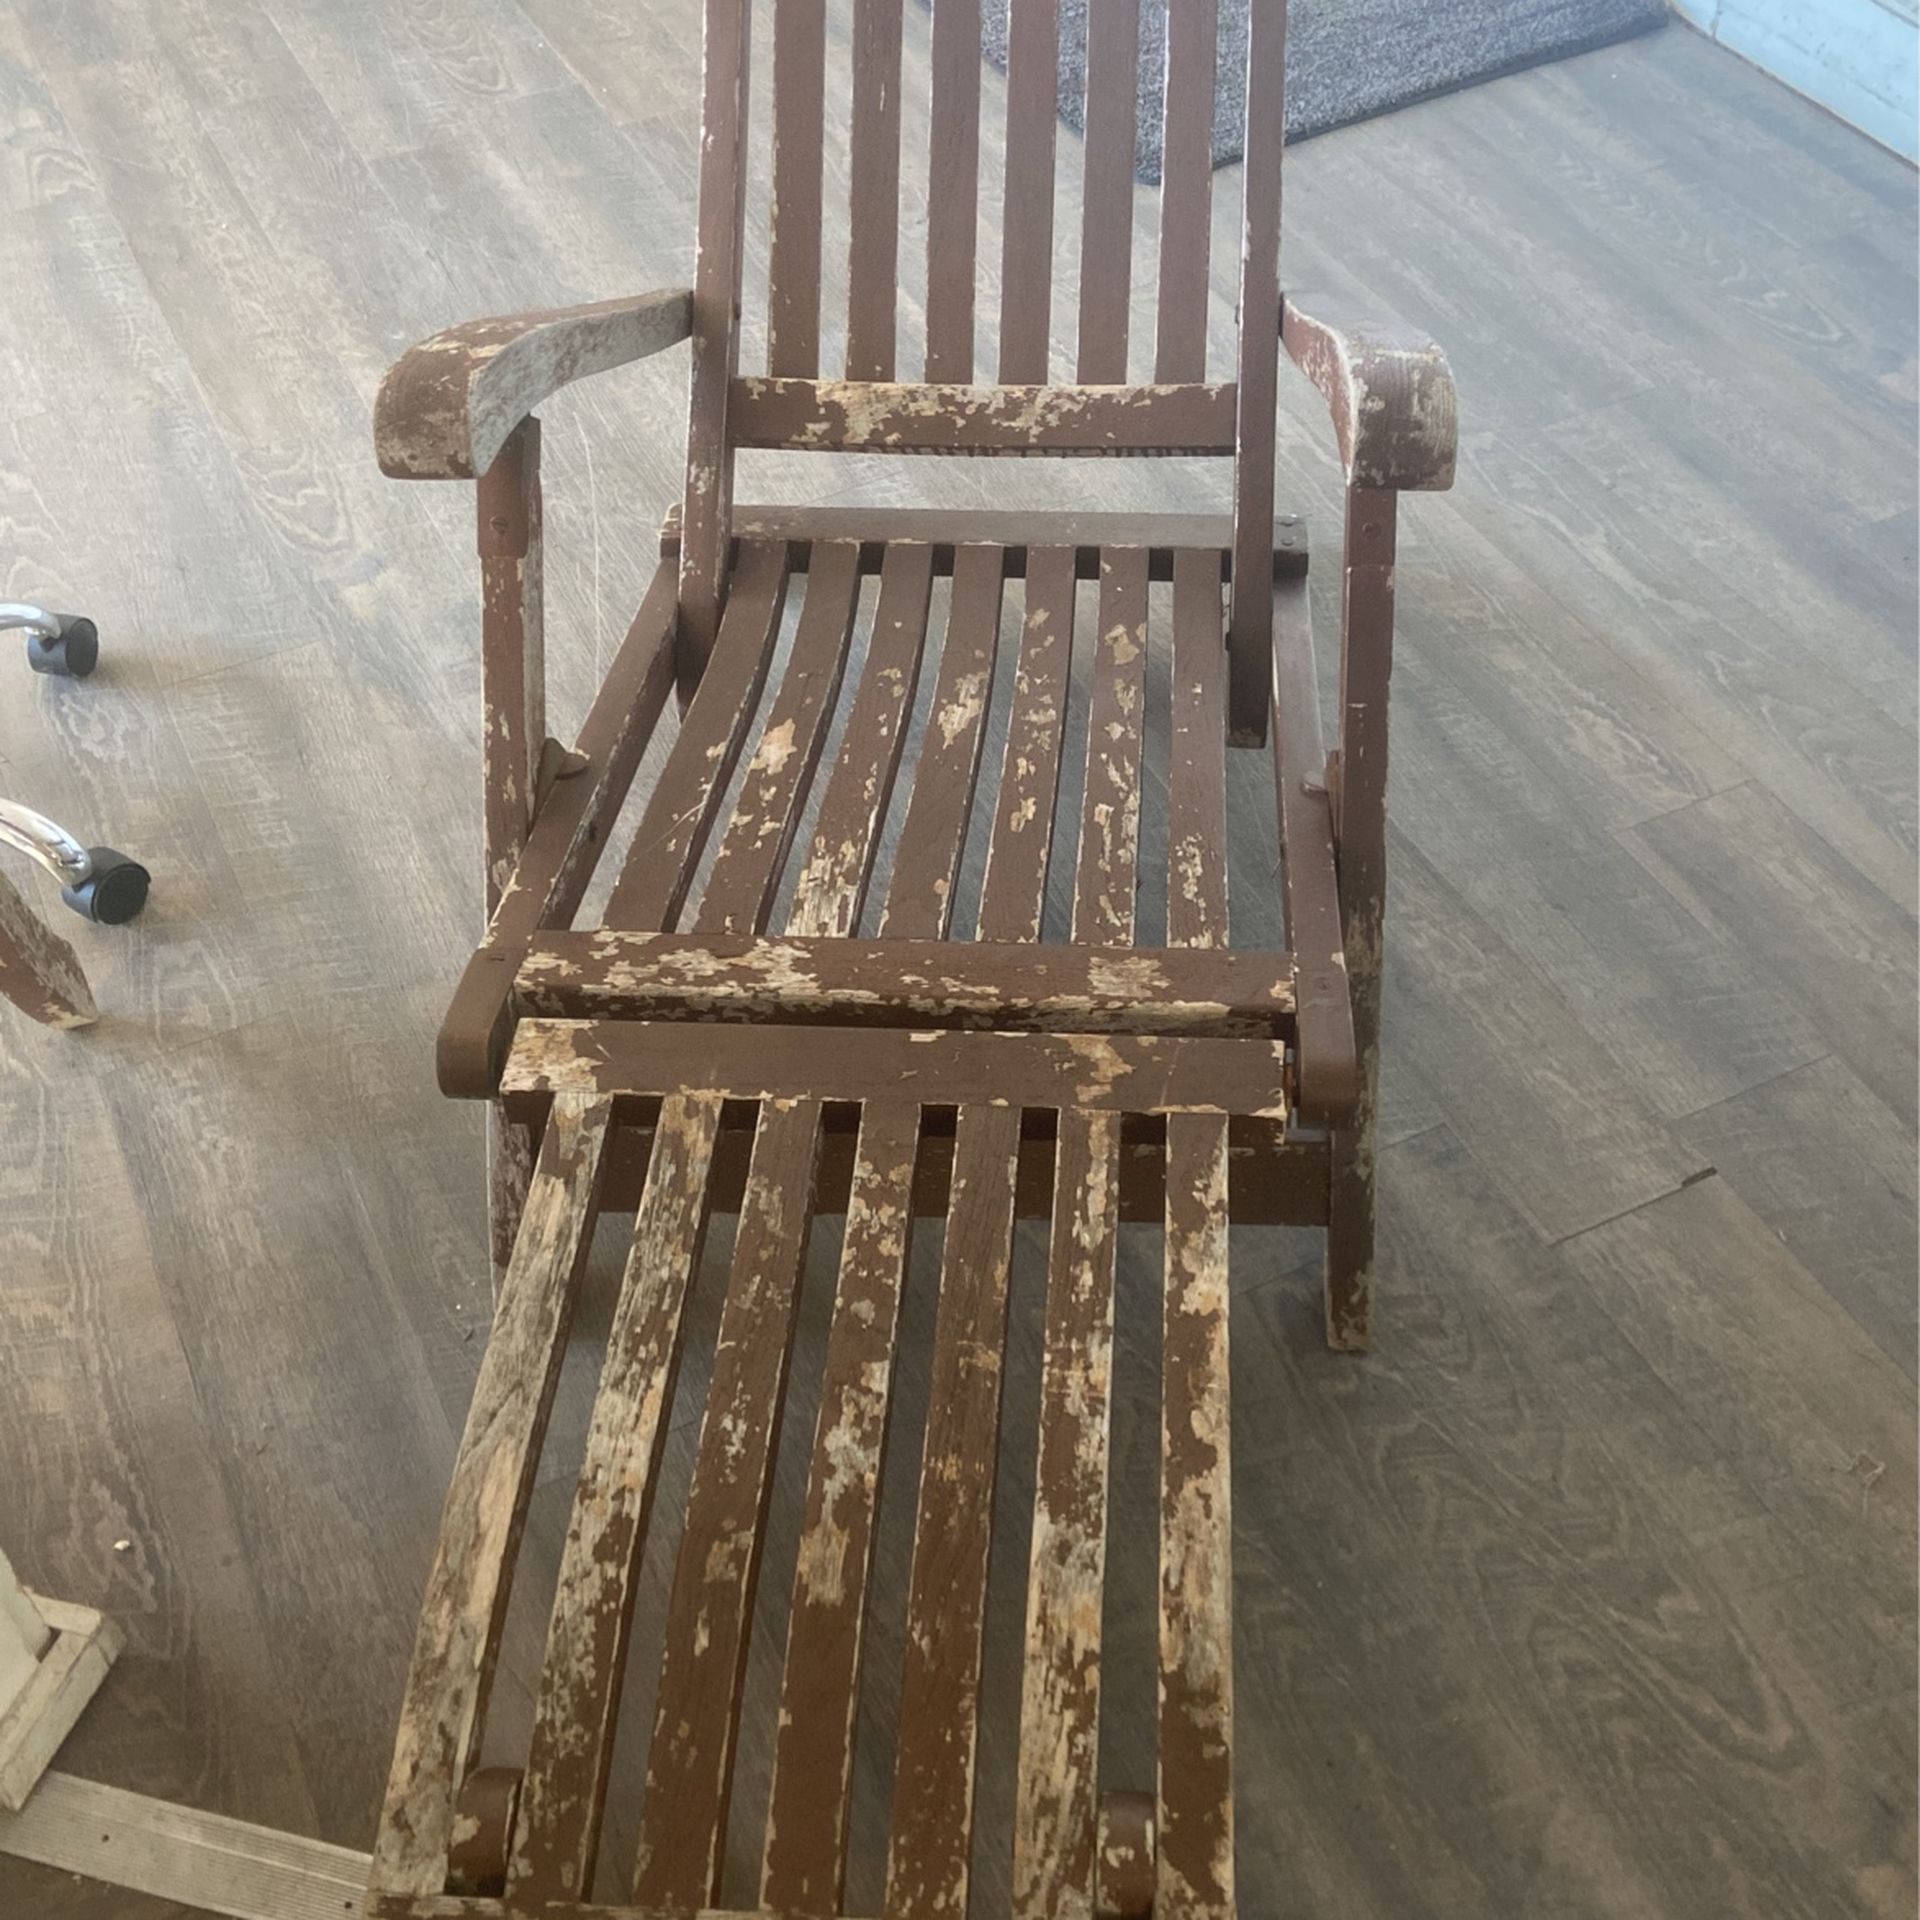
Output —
(926, 912)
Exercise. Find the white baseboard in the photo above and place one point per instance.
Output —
(1860, 59)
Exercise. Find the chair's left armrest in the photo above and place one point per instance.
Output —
(1391, 394)
(447, 406)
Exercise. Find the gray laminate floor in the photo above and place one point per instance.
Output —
(1591, 1592)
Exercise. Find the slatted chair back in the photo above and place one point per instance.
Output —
(960, 402)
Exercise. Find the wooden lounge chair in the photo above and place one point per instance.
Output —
(850, 1055)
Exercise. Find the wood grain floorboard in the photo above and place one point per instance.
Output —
(1591, 1591)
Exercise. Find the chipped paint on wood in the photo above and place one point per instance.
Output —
(1054, 1819)
(572, 1747)
(1391, 394)
(1195, 1874)
(1123, 1073)
(465, 1605)
(873, 416)
(449, 404)
(988, 983)
(39, 972)
(807, 1821)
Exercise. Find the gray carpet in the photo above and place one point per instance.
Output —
(1346, 59)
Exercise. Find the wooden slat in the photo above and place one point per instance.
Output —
(1002, 983)
(1329, 1071)
(953, 168)
(832, 887)
(1106, 225)
(465, 1605)
(1055, 1817)
(1026, 233)
(512, 650)
(853, 416)
(566, 1778)
(806, 1846)
(873, 258)
(704, 550)
(1186, 191)
(946, 529)
(690, 1766)
(929, 1844)
(1055, 1820)
(680, 812)
(1195, 1867)
(1121, 1072)
(766, 814)
(1197, 772)
(1251, 637)
(1108, 870)
(1013, 895)
(799, 141)
(926, 862)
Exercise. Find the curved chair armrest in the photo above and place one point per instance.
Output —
(447, 406)
(1391, 394)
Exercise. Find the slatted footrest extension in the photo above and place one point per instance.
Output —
(1063, 1856)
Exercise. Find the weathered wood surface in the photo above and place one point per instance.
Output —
(1116, 1073)
(465, 1605)
(850, 416)
(39, 972)
(587, 1642)
(1005, 983)
(448, 406)
(1329, 1066)
(1391, 394)
(943, 531)
(804, 1869)
(697, 1710)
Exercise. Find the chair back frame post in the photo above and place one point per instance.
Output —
(707, 519)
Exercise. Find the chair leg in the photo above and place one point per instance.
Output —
(1350, 1204)
(39, 972)
(511, 1149)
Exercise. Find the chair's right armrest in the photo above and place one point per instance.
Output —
(447, 406)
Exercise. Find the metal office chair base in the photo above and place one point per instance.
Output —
(62, 643)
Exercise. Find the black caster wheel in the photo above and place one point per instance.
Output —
(73, 652)
(113, 893)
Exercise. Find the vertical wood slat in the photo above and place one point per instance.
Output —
(929, 1846)
(680, 811)
(1186, 191)
(754, 847)
(696, 1716)
(1026, 233)
(873, 247)
(466, 1598)
(565, 1785)
(794, 217)
(706, 521)
(1250, 641)
(1056, 1816)
(1107, 875)
(804, 1868)
(926, 862)
(1106, 226)
(1194, 1866)
(953, 202)
(928, 1852)
(1197, 774)
(1056, 1807)
(1014, 893)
